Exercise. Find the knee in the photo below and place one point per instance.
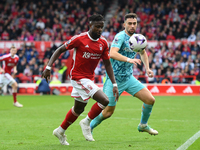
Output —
(152, 100)
(14, 85)
(78, 111)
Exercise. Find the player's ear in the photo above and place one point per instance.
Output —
(90, 24)
(124, 24)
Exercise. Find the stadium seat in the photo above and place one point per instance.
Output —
(30, 90)
(23, 78)
(63, 89)
(69, 89)
(54, 87)
(22, 90)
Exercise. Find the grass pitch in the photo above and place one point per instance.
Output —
(177, 118)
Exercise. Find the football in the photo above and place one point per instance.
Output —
(137, 42)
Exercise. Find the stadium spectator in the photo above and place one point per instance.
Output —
(192, 37)
(36, 69)
(82, 76)
(175, 75)
(21, 66)
(47, 53)
(170, 36)
(62, 71)
(43, 87)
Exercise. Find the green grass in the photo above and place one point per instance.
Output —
(177, 118)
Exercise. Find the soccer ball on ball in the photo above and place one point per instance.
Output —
(137, 42)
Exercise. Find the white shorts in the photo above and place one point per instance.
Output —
(6, 79)
(83, 89)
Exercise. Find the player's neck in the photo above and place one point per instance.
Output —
(12, 55)
(91, 36)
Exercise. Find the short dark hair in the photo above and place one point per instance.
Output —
(96, 17)
(130, 15)
(13, 46)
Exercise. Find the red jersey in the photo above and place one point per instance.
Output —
(9, 62)
(87, 53)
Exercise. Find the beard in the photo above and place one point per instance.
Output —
(131, 32)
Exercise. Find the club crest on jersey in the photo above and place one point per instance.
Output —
(100, 47)
(116, 40)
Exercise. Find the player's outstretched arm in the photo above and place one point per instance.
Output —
(46, 73)
(56, 54)
(114, 54)
(145, 61)
(110, 73)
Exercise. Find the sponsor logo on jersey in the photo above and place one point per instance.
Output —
(10, 64)
(88, 55)
(171, 90)
(155, 90)
(187, 90)
(87, 46)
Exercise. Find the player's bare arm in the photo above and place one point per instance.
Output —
(110, 73)
(114, 54)
(2, 70)
(145, 61)
(46, 73)
(15, 70)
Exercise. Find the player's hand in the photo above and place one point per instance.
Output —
(46, 74)
(115, 93)
(135, 61)
(150, 73)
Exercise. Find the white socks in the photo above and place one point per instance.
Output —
(61, 130)
(87, 120)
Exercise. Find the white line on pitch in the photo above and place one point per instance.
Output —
(171, 120)
(190, 141)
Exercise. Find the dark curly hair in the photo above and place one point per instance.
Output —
(96, 17)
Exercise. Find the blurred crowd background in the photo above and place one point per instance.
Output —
(59, 20)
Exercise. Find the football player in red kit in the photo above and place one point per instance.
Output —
(9, 66)
(89, 48)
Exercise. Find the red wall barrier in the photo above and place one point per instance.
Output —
(155, 89)
(172, 89)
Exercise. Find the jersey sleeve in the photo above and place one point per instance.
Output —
(72, 43)
(118, 41)
(106, 54)
(2, 58)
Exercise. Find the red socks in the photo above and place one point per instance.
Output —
(95, 110)
(69, 119)
(72, 116)
(15, 97)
